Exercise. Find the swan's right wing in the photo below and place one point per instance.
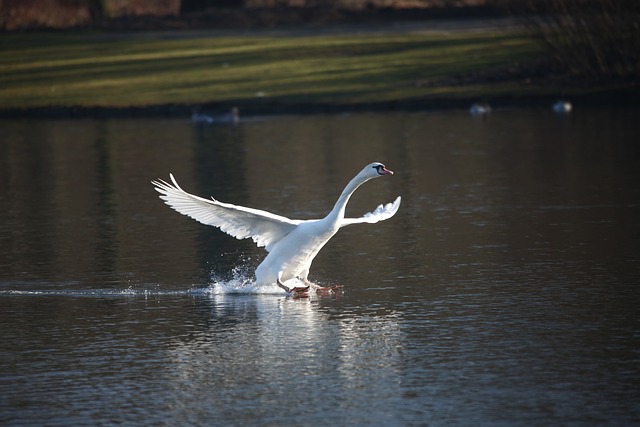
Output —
(381, 213)
(263, 227)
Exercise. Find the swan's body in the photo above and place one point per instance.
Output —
(292, 244)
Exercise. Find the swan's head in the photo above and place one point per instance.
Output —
(375, 170)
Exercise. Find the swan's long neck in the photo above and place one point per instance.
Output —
(337, 213)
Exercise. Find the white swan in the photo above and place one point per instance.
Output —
(292, 244)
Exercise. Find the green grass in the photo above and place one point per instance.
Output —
(148, 69)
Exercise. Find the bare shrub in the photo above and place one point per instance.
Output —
(588, 39)
(19, 14)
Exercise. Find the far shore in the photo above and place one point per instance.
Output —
(169, 73)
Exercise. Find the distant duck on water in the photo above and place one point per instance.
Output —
(480, 108)
(232, 117)
(562, 106)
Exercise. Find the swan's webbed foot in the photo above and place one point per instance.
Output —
(323, 289)
(296, 292)
(299, 292)
(329, 289)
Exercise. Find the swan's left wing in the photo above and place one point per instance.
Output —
(381, 213)
(240, 222)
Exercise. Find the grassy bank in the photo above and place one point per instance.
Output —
(285, 70)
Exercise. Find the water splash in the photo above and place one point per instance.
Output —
(241, 282)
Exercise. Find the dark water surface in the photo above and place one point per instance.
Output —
(506, 291)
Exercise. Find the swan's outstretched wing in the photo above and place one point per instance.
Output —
(263, 227)
(381, 213)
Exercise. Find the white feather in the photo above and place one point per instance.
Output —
(381, 213)
(263, 227)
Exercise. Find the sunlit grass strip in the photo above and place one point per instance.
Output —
(41, 70)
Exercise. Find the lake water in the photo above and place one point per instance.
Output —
(504, 292)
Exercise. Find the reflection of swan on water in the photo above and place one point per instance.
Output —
(292, 244)
(258, 351)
